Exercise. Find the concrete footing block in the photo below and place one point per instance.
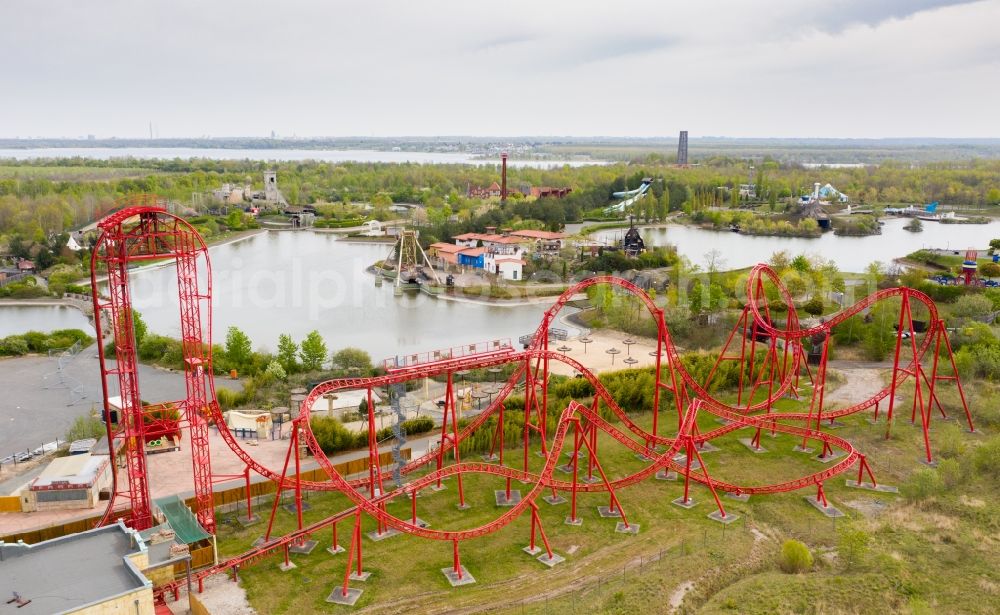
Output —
(684, 504)
(870, 487)
(465, 506)
(666, 475)
(706, 447)
(378, 537)
(565, 469)
(490, 458)
(551, 561)
(286, 567)
(590, 480)
(829, 510)
(503, 500)
(828, 458)
(338, 597)
(292, 509)
(798, 448)
(607, 513)
(631, 528)
(555, 500)
(453, 578)
(930, 464)
(335, 550)
(716, 515)
(303, 548)
(532, 550)
(682, 459)
(363, 576)
(748, 442)
(242, 519)
(571, 521)
(743, 497)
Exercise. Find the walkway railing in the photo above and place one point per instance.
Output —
(501, 346)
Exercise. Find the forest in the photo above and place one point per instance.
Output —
(39, 198)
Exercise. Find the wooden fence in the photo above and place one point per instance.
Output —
(225, 497)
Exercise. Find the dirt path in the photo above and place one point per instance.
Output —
(223, 597)
(860, 383)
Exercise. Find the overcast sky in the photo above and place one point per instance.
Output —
(781, 68)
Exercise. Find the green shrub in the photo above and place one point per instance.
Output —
(950, 472)
(921, 485)
(13, 346)
(153, 347)
(814, 306)
(852, 547)
(950, 441)
(986, 457)
(795, 557)
(86, 427)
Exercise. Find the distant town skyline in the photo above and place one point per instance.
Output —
(774, 68)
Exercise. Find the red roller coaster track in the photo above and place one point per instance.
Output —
(772, 364)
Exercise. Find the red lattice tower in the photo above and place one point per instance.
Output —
(142, 230)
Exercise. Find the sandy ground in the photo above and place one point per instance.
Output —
(595, 356)
(860, 383)
(221, 597)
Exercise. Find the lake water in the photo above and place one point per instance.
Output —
(851, 254)
(169, 153)
(17, 319)
(296, 281)
(293, 282)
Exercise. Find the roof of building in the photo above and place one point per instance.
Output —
(509, 239)
(539, 234)
(494, 186)
(72, 472)
(81, 446)
(68, 573)
(491, 237)
(447, 247)
(509, 260)
(473, 252)
(25, 264)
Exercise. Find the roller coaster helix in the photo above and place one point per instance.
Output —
(772, 363)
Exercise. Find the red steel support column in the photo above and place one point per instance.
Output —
(197, 368)
(457, 562)
(895, 363)
(374, 465)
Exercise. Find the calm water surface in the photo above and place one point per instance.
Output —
(354, 155)
(16, 319)
(850, 253)
(294, 282)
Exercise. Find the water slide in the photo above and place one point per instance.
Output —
(630, 196)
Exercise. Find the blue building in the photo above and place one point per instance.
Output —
(473, 257)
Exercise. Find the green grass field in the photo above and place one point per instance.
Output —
(936, 555)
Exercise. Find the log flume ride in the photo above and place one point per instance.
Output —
(769, 346)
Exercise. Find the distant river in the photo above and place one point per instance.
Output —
(852, 254)
(353, 155)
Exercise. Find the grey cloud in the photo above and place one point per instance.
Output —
(836, 15)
